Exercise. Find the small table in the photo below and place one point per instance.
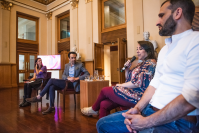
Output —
(90, 90)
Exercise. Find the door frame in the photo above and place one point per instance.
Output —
(27, 70)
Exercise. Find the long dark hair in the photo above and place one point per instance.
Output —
(148, 47)
(36, 63)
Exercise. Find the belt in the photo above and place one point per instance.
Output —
(192, 119)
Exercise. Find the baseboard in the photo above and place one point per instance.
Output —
(14, 85)
(5, 86)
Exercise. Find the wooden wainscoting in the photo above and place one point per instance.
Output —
(8, 78)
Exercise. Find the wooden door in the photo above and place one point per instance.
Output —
(99, 58)
(26, 65)
(121, 58)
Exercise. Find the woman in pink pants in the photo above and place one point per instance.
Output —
(130, 92)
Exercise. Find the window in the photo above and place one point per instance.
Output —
(64, 28)
(27, 27)
(113, 14)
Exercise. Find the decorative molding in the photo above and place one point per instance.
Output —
(45, 2)
(49, 15)
(59, 6)
(6, 5)
(74, 3)
(87, 1)
(39, 10)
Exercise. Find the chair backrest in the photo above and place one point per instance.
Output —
(46, 79)
(48, 75)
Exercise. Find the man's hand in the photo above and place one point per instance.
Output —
(72, 79)
(135, 122)
(128, 117)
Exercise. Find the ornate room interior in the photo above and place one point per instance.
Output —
(104, 33)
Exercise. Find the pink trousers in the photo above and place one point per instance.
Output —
(108, 100)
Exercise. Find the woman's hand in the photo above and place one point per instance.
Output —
(118, 84)
(128, 85)
(128, 64)
(36, 66)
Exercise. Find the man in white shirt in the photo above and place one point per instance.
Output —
(171, 102)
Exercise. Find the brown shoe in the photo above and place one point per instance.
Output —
(33, 99)
(49, 110)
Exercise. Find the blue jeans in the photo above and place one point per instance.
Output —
(51, 86)
(114, 123)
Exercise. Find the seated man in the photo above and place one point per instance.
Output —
(171, 102)
(72, 72)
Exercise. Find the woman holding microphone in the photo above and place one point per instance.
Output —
(130, 92)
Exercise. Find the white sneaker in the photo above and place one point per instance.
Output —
(89, 112)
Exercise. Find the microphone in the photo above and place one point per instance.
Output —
(133, 58)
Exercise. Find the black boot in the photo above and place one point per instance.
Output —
(20, 105)
(26, 104)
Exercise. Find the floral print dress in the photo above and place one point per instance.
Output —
(141, 76)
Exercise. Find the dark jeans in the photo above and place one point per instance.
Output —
(51, 86)
(28, 87)
(108, 100)
(114, 123)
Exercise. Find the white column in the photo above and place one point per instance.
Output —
(5, 34)
(49, 36)
(89, 32)
(134, 19)
(96, 22)
(74, 36)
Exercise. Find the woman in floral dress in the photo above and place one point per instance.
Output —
(130, 92)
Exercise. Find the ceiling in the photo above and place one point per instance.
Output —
(45, 2)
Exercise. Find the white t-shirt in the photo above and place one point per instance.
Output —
(177, 71)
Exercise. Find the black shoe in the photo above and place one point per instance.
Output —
(26, 104)
(49, 110)
(33, 99)
(20, 105)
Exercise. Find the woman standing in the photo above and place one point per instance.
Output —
(40, 72)
(130, 92)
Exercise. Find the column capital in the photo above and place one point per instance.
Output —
(49, 15)
(74, 3)
(6, 5)
(87, 1)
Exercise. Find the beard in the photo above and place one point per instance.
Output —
(168, 28)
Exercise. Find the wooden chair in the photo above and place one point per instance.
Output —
(67, 91)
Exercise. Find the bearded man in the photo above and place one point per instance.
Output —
(171, 102)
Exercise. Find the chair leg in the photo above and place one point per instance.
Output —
(63, 102)
(57, 98)
(75, 99)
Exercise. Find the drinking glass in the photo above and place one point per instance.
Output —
(95, 74)
(97, 77)
(87, 78)
(91, 78)
(102, 77)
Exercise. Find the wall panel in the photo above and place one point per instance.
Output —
(89, 65)
(8, 76)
